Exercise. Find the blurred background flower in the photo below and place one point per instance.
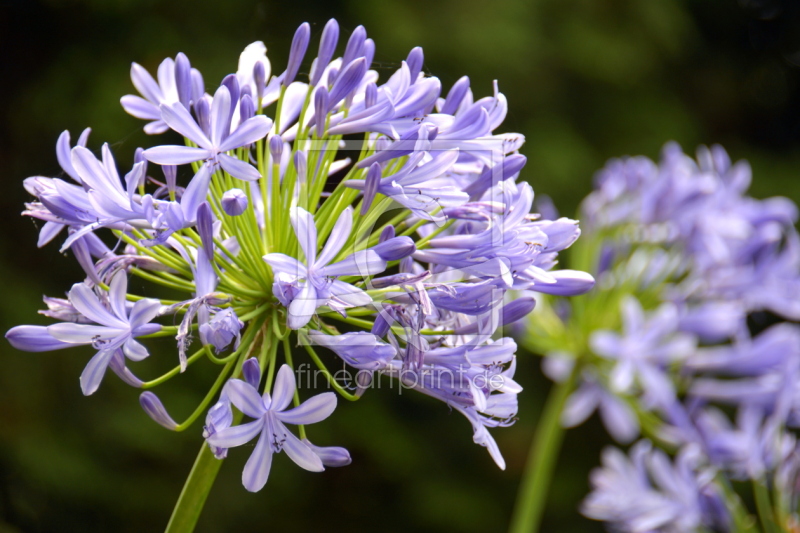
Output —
(586, 81)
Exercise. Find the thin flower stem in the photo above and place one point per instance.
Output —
(183, 287)
(325, 372)
(743, 521)
(287, 351)
(223, 375)
(273, 356)
(542, 458)
(195, 491)
(165, 331)
(174, 372)
(423, 241)
(765, 514)
(255, 312)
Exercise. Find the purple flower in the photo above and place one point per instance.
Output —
(643, 350)
(358, 349)
(165, 91)
(303, 287)
(234, 202)
(617, 416)
(220, 416)
(648, 492)
(223, 329)
(155, 409)
(34, 339)
(211, 150)
(115, 327)
(270, 415)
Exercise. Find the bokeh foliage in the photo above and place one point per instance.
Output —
(586, 80)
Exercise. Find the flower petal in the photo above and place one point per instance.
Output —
(179, 119)
(143, 312)
(302, 307)
(256, 471)
(283, 392)
(300, 452)
(34, 339)
(245, 398)
(93, 374)
(337, 239)
(195, 194)
(236, 435)
(118, 289)
(220, 111)
(313, 410)
(140, 108)
(172, 154)
(82, 333)
(134, 350)
(238, 168)
(284, 263)
(306, 231)
(248, 132)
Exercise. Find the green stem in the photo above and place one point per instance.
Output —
(542, 457)
(764, 507)
(195, 490)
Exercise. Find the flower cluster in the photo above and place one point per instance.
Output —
(706, 281)
(394, 252)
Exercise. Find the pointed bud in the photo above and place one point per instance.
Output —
(275, 148)
(381, 325)
(320, 110)
(371, 184)
(246, 107)
(354, 44)
(347, 81)
(138, 157)
(203, 113)
(330, 455)
(301, 166)
(516, 310)
(455, 96)
(370, 95)
(252, 372)
(395, 249)
(327, 46)
(368, 51)
(198, 86)
(34, 339)
(387, 233)
(171, 175)
(205, 227)
(155, 410)
(260, 78)
(297, 52)
(231, 82)
(183, 79)
(414, 62)
(568, 283)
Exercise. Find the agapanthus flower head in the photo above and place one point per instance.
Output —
(648, 492)
(400, 266)
(680, 341)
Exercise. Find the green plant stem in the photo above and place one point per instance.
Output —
(765, 514)
(542, 458)
(195, 490)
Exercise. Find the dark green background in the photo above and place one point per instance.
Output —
(586, 80)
